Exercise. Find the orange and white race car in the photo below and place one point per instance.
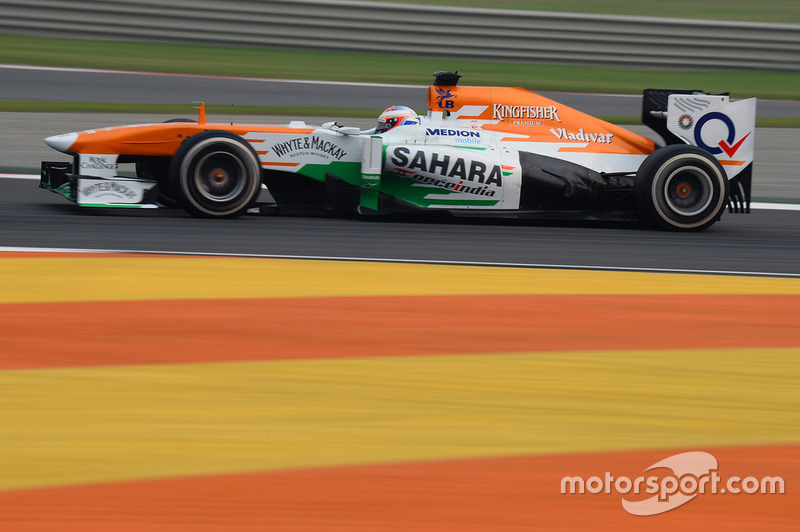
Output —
(496, 151)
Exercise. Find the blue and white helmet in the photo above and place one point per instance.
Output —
(396, 115)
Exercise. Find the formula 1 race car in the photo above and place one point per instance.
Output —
(495, 151)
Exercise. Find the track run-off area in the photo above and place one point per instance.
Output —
(167, 392)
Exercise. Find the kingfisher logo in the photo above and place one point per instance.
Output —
(501, 112)
(445, 98)
(728, 143)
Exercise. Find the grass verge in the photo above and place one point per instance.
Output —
(783, 11)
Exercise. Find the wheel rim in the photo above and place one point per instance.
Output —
(688, 191)
(219, 176)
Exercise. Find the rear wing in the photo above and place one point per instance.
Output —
(724, 128)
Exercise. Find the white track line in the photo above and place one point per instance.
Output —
(19, 176)
(410, 261)
(239, 78)
(775, 206)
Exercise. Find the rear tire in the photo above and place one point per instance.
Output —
(681, 188)
(216, 175)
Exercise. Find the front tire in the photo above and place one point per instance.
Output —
(216, 174)
(681, 188)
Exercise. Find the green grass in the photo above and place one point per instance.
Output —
(785, 11)
(371, 67)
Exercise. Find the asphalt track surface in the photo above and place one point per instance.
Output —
(81, 85)
(763, 242)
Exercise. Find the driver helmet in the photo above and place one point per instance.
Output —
(396, 115)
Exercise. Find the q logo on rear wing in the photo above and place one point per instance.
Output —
(714, 123)
(728, 145)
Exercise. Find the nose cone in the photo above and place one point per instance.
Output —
(61, 142)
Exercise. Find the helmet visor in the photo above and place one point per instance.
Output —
(385, 124)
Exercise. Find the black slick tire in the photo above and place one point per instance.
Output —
(681, 188)
(215, 174)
